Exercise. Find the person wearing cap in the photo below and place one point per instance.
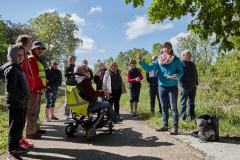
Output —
(152, 79)
(33, 130)
(54, 80)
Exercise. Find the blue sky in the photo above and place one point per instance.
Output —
(106, 26)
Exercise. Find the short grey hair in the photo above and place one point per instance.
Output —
(101, 62)
(78, 67)
(185, 52)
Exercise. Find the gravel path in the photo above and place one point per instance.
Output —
(131, 139)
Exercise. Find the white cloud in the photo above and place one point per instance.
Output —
(140, 27)
(46, 11)
(94, 58)
(93, 9)
(173, 40)
(88, 45)
(101, 50)
(78, 20)
(100, 25)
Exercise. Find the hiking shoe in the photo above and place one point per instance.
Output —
(132, 113)
(33, 136)
(14, 156)
(174, 132)
(25, 143)
(54, 118)
(41, 131)
(22, 149)
(47, 119)
(119, 119)
(162, 128)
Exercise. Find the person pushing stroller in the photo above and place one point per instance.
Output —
(81, 80)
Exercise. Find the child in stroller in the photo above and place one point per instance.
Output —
(89, 122)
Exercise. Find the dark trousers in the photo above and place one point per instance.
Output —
(116, 95)
(16, 118)
(188, 94)
(134, 94)
(153, 93)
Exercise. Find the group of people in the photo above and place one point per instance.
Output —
(26, 80)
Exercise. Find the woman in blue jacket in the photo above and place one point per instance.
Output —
(170, 71)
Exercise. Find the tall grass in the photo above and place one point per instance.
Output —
(229, 123)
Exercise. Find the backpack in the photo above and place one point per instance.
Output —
(208, 128)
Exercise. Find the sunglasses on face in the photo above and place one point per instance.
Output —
(55, 63)
(133, 63)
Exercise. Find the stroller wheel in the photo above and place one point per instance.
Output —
(110, 126)
(89, 132)
(69, 130)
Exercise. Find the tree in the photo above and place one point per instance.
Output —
(156, 49)
(59, 35)
(3, 43)
(219, 17)
(201, 50)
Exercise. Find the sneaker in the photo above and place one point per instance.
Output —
(25, 143)
(162, 128)
(22, 149)
(132, 113)
(33, 136)
(47, 119)
(54, 118)
(66, 117)
(119, 119)
(174, 132)
(14, 156)
(41, 131)
(136, 113)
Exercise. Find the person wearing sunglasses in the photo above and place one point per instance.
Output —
(33, 130)
(134, 76)
(170, 71)
(54, 80)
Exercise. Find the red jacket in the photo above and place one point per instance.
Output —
(38, 85)
(28, 72)
(130, 79)
(89, 90)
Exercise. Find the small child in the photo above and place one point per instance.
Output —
(16, 97)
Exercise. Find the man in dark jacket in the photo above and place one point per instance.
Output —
(68, 72)
(82, 81)
(54, 80)
(16, 97)
(152, 79)
(188, 86)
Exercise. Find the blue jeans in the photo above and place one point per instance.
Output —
(105, 105)
(187, 94)
(153, 94)
(170, 92)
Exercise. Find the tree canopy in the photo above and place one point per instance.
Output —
(59, 34)
(210, 17)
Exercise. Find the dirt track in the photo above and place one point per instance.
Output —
(131, 139)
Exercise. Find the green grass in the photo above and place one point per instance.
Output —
(4, 116)
(229, 123)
